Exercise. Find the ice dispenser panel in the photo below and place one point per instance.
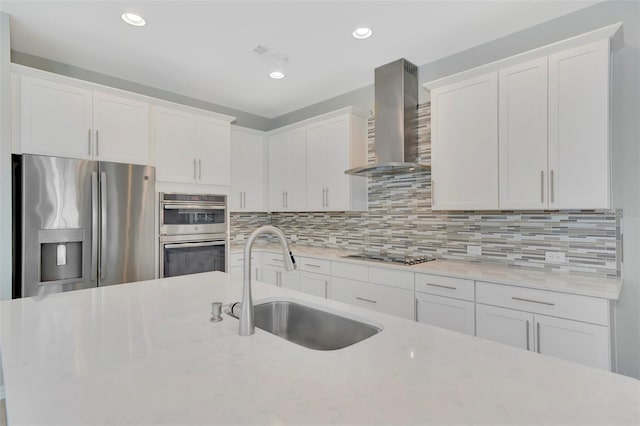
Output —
(61, 255)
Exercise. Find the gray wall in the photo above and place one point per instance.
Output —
(242, 118)
(5, 161)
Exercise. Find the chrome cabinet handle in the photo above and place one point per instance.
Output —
(542, 186)
(415, 311)
(105, 229)
(194, 169)
(312, 265)
(528, 348)
(283, 205)
(89, 140)
(327, 198)
(97, 142)
(551, 190)
(366, 300)
(244, 199)
(533, 301)
(538, 332)
(94, 227)
(326, 289)
(240, 199)
(442, 286)
(200, 169)
(286, 197)
(323, 195)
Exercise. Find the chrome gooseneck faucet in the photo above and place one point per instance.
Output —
(247, 325)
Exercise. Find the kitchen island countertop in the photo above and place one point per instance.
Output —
(146, 353)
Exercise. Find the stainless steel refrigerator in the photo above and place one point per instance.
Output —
(81, 224)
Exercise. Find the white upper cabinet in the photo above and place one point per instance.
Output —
(552, 149)
(191, 148)
(68, 121)
(248, 183)
(288, 170)
(56, 119)
(121, 129)
(523, 136)
(333, 146)
(175, 134)
(464, 131)
(579, 157)
(213, 150)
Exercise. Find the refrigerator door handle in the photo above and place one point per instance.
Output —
(103, 224)
(94, 226)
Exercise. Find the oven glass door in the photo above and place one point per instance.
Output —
(193, 257)
(192, 218)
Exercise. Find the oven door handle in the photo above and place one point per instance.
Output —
(186, 245)
(192, 206)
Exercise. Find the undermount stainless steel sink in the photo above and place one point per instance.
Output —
(310, 327)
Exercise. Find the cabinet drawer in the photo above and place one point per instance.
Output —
(391, 277)
(445, 286)
(570, 306)
(318, 266)
(237, 259)
(376, 297)
(350, 270)
(272, 259)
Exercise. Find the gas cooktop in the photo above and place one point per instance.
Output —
(390, 258)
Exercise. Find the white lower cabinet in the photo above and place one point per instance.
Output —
(445, 312)
(316, 284)
(236, 265)
(389, 300)
(514, 328)
(273, 272)
(582, 336)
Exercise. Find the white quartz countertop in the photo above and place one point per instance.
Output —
(147, 354)
(573, 283)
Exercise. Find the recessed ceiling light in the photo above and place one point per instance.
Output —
(276, 75)
(133, 19)
(362, 33)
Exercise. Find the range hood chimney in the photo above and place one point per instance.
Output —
(396, 116)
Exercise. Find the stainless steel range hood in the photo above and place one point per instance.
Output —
(396, 116)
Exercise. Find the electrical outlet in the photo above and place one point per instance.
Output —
(332, 240)
(474, 250)
(555, 257)
(294, 238)
(239, 237)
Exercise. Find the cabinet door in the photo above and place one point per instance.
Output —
(464, 134)
(55, 119)
(290, 279)
(523, 136)
(316, 284)
(579, 127)
(452, 314)
(317, 163)
(175, 140)
(271, 275)
(379, 298)
(278, 170)
(214, 152)
(328, 144)
(296, 193)
(121, 129)
(580, 342)
(247, 171)
(514, 328)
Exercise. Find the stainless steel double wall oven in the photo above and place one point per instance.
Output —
(193, 233)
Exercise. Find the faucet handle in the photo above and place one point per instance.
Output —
(293, 259)
(216, 311)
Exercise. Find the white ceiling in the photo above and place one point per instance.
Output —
(203, 49)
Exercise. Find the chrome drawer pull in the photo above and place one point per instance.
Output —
(313, 266)
(442, 286)
(366, 300)
(527, 334)
(533, 301)
(538, 331)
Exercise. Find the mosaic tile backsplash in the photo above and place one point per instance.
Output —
(400, 221)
